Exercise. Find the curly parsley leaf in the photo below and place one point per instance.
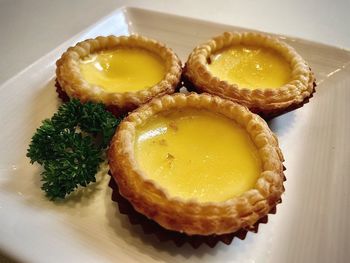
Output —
(96, 120)
(76, 165)
(70, 157)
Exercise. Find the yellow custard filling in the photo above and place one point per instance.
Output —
(251, 67)
(123, 69)
(197, 154)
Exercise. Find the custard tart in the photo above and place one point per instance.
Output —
(197, 164)
(121, 72)
(256, 70)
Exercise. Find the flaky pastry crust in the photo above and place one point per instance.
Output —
(73, 83)
(265, 101)
(190, 216)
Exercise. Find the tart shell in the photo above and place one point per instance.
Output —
(266, 102)
(74, 85)
(179, 239)
(114, 109)
(189, 216)
(265, 114)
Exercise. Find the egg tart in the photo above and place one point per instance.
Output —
(121, 72)
(256, 70)
(150, 227)
(197, 164)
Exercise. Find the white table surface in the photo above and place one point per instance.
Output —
(31, 28)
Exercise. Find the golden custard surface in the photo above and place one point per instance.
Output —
(123, 69)
(197, 154)
(251, 67)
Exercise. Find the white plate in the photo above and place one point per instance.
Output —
(311, 225)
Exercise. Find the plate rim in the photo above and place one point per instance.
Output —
(130, 8)
(125, 10)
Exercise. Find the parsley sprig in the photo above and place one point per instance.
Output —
(70, 146)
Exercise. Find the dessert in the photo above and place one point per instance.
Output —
(197, 164)
(121, 72)
(253, 69)
(123, 69)
(219, 168)
(151, 227)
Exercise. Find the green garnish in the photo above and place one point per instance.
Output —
(70, 146)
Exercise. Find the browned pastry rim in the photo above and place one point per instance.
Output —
(193, 217)
(179, 239)
(267, 102)
(265, 114)
(115, 110)
(74, 85)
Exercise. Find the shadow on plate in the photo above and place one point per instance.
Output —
(282, 124)
(5, 258)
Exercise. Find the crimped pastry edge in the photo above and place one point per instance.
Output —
(73, 83)
(295, 92)
(189, 216)
(179, 239)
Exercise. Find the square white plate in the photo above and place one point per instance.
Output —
(311, 225)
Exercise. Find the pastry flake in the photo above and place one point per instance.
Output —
(79, 79)
(203, 74)
(190, 215)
